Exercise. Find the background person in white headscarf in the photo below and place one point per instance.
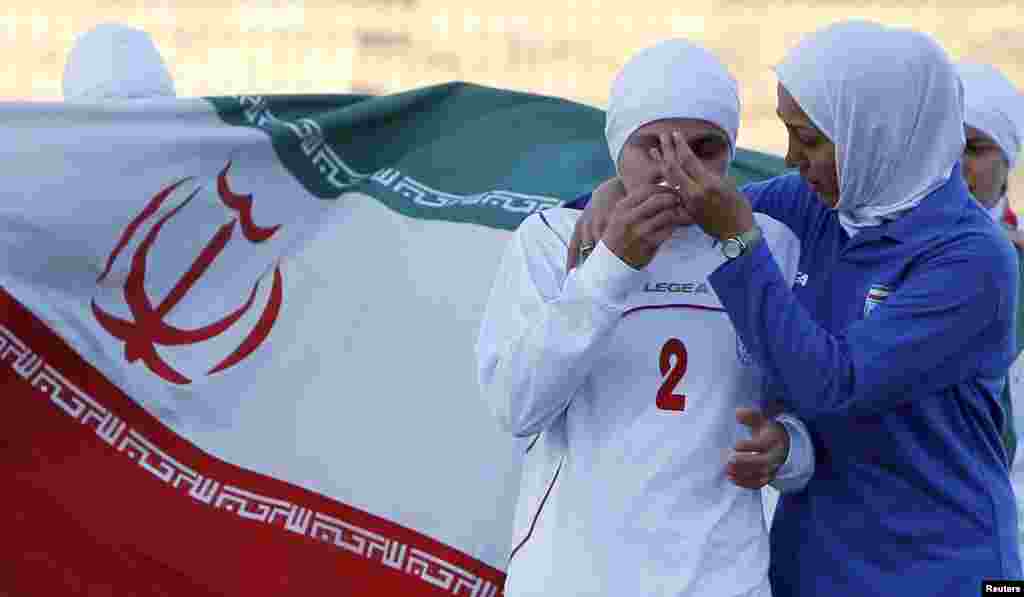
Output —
(112, 62)
(994, 119)
(627, 373)
(994, 126)
(994, 115)
(894, 346)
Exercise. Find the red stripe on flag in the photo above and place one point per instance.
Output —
(101, 498)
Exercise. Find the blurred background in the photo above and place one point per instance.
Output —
(568, 48)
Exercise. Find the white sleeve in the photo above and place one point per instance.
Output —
(543, 329)
(798, 468)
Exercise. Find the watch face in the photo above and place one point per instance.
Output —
(731, 248)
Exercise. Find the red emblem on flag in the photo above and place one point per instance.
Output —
(149, 327)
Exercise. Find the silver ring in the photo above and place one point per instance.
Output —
(586, 249)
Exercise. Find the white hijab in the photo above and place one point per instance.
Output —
(672, 79)
(115, 62)
(995, 107)
(891, 102)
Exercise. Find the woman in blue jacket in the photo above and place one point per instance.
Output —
(894, 343)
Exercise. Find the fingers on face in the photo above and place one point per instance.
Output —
(668, 165)
(667, 146)
(670, 155)
(655, 204)
(658, 226)
(688, 162)
(637, 197)
(680, 166)
(653, 221)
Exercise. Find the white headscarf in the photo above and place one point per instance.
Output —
(891, 102)
(672, 79)
(115, 62)
(993, 106)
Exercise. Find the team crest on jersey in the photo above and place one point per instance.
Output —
(876, 296)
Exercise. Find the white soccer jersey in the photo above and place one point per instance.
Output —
(633, 377)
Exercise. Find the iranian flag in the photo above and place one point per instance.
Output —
(236, 337)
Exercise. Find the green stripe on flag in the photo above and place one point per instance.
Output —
(457, 152)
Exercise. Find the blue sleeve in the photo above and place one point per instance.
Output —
(911, 346)
(788, 199)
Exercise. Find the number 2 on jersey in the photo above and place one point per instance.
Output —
(666, 399)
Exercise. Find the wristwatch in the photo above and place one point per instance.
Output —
(736, 246)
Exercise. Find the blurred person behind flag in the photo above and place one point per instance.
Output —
(112, 62)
